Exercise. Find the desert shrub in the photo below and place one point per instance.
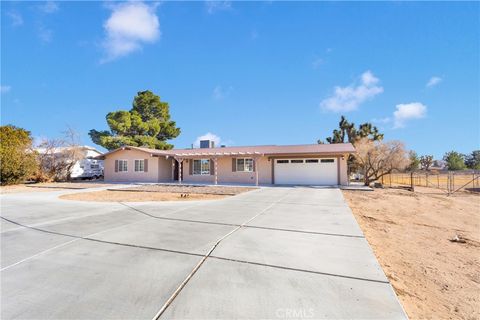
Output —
(17, 159)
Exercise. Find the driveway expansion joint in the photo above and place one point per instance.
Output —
(299, 270)
(197, 267)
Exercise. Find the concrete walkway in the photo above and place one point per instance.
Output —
(269, 253)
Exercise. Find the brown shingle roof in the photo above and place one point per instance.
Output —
(338, 148)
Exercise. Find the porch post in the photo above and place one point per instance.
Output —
(173, 169)
(180, 161)
(215, 170)
(256, 170)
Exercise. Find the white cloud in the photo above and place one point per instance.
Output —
(129, 26)
(49, 7)
(208, 136)
(408, 111)
(349, 98)
(214, 6)
(433, 82)
(5, 89)
(317, 62)
(16, 18)
(220, 93)
(44, 34)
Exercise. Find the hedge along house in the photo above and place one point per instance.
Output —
(315, 164)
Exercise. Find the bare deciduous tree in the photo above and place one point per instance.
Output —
(72, 151)
(378, 158)
(426, 162)
(56, 157)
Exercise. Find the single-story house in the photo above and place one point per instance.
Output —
(314, 164)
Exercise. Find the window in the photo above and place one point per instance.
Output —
(139, 165)
(297, 161)
(327, 160)
(282, 161)
(201, 167)
(245, 164)
(122, 166)
(95, 166)
(311, 161)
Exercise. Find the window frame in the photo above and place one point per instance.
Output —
(328, 160)
(297, 161)
(202, 172)
(244, 165)
(142, 161)
(120, 167)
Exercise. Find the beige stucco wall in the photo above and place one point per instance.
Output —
(226, 175)
(165, 169)
(343, 170)
(160, 170)
(131, 176)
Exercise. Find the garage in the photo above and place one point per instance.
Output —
(307, 171)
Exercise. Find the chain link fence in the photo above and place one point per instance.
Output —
(448, 181)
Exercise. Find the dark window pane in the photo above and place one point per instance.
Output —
(297, 161)
(327, 160)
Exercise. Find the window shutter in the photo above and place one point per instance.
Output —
(145, 165)
(116, 165)
(254, 165)
(234, 165)
(212, 167)
(190, 166)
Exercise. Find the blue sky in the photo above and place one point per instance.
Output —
(248, 72)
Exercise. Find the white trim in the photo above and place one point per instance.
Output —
(201, 172)
(123, 160)
(135, 168)
(244, 166)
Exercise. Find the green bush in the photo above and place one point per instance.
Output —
(17, 159)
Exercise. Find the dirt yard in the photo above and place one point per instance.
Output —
(224, 190)
(410, 234)
(125, 196)
(50, 186)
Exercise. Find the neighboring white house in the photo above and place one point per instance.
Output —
(85, 168)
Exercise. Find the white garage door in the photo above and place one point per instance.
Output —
(308, 171)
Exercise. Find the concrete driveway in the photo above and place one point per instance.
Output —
(279, 253)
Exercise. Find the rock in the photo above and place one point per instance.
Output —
(378, 185)
(458, 239)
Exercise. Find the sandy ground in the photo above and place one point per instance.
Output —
(51, 186)
(410, 234)
(125, 196)
(225, 190)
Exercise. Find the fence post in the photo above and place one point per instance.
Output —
(449, 183)
(411, 182)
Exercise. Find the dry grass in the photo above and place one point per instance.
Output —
(461, 181)
(123, 196)
(50, 186)
(410, 234)
(191, 189)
